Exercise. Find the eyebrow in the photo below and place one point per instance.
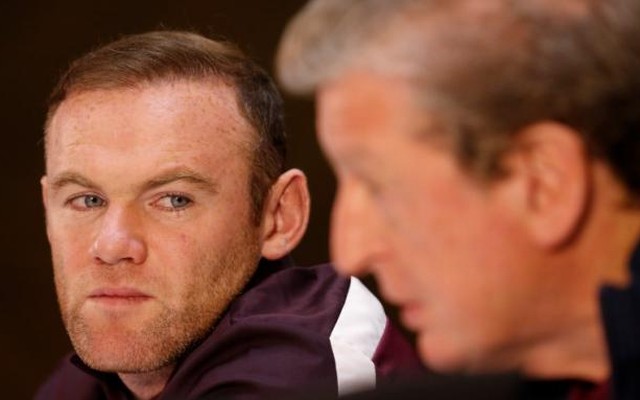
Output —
(71, 178)
(182, 174)
(173, 175)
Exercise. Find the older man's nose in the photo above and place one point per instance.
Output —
(356, 236)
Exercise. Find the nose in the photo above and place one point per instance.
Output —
(119, 238)
(356, 231)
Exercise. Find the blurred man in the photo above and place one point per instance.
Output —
(164, 188)
(487, 159)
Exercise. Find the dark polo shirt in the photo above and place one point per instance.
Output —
(620, 309)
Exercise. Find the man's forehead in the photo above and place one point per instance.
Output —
(195, 94)
(361, 102)
(194, 108)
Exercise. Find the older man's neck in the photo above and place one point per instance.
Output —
(580, 354)
(147, 385)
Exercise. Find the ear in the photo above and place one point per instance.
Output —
(550, 161)
(286, 215)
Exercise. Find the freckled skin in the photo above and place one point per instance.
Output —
(188, 261)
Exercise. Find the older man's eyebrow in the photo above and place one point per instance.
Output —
(181, 175)
(71, 178)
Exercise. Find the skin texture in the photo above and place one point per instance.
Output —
(149, 220)
(478, 269)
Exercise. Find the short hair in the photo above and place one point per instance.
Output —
(158, 56)
(488, 69)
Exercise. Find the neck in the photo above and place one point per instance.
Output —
(577, 354)
(147, 385)
(599, 256)
(614, 231)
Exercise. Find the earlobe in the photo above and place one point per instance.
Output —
(286, 215)
(553, 163)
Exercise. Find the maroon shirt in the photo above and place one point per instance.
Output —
(273, 341)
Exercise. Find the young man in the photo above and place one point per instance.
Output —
(487, 158)
(170, 218)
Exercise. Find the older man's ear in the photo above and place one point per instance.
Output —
(550, 164)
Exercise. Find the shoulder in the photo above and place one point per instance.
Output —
(67, 382)
(273, 339)
(335, 309)
(341, 316)
(293, 291)
(299, 327)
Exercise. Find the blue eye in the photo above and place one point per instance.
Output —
(174, 202)
(86, 202)
(178, 201)
(93, 201)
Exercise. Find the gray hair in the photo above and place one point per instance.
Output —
(488, 68)
(328, 36)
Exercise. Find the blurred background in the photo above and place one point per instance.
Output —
(38, 40)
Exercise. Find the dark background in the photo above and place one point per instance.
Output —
(38, 39)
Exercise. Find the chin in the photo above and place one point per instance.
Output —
(115, 349)
(440, 354)
(114, 355)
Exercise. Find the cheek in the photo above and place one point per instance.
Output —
(204, 287)
(175, 261)
(70, 277)
(195, 265)
(71, 261)
(69, 240)
(443, 250)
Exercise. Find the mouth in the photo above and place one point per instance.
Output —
(118, 296)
